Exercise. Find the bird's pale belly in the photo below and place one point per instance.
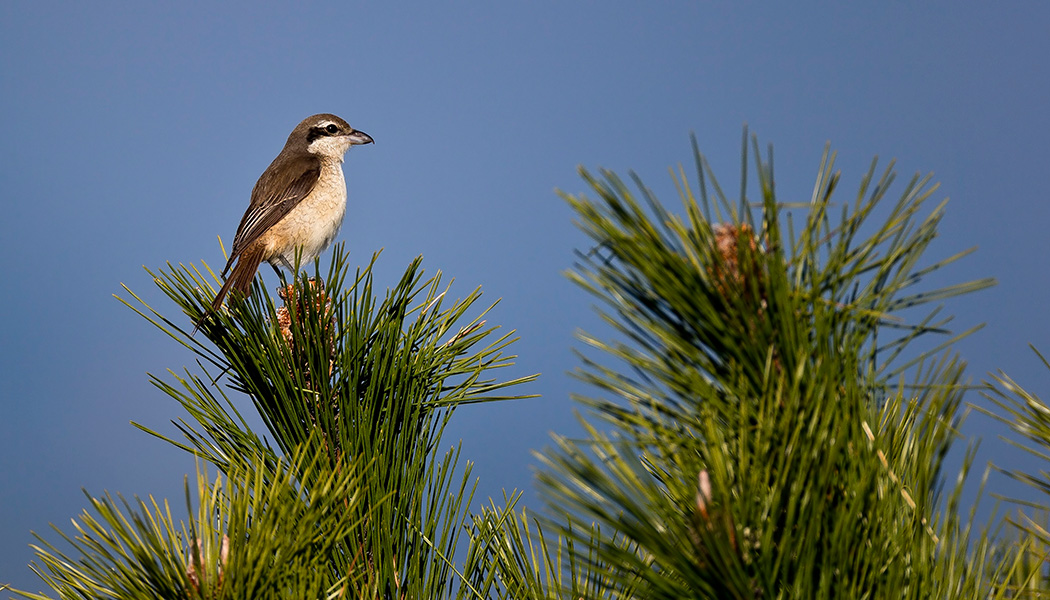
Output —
(312, 225)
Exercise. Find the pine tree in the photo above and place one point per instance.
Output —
(767, 422)
(350, 494)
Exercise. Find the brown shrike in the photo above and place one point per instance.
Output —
(297, 205)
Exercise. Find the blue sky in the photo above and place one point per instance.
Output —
(133, 133)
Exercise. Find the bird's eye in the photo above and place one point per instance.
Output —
(331, 128)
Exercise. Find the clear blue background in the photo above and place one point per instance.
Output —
(132, 134)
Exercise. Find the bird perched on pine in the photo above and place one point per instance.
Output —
(297, 205)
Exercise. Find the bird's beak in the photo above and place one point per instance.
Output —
(359, 137)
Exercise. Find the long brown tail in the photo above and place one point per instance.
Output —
(240, 279)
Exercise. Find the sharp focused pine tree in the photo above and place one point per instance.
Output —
(350, 493)
(767, 421)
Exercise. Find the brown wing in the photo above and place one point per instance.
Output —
(287, 184)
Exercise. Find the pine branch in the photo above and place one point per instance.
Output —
(763, 442)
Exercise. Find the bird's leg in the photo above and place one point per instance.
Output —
(291, 269)
(280, 275)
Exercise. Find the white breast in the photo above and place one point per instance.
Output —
(314, 223)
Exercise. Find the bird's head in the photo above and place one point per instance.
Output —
(327, 136)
